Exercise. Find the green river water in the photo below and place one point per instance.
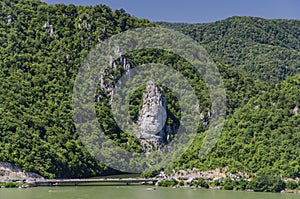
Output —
(132, 192)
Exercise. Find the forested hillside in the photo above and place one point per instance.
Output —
(264, 49)
(43, 46)
(262, 136)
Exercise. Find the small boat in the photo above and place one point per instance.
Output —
(151, 189)
(23, 187)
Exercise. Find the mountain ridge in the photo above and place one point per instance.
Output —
(43, 46)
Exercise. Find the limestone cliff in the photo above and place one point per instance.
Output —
(151, 119)
(120, 66)
(10, 171)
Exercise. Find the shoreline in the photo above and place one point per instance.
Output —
(218, 179)
(222, 179)
(286, 191)
(12, 176)
(185, 186)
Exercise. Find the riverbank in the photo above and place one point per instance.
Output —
(12, 176)
(223, 179)
(202, 184)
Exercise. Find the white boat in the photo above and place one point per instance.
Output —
(151, 189)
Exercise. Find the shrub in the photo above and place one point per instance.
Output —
(217, 183)
(291, 185)
(228, 187)
(9, 184)
(202, 183)
(265, 183)
(168, 183)
(181, 183)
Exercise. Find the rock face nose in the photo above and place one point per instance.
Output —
(152, 116)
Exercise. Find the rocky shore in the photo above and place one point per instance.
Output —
(223, 179)
(10, 172)
(215, 174)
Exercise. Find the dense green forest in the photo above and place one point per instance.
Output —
(43, 46)
(264, 49)
(261, 136)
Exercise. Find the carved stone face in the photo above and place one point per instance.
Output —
(152, 117)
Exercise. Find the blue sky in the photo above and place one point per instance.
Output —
(198, 11)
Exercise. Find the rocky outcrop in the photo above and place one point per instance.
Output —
(107, 80)
(152, 116)
(215, 174)
(9, 19)
(49, 28)
(10, 171)
(153, 131)
(295, 110)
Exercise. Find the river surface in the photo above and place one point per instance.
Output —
(132, 192)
